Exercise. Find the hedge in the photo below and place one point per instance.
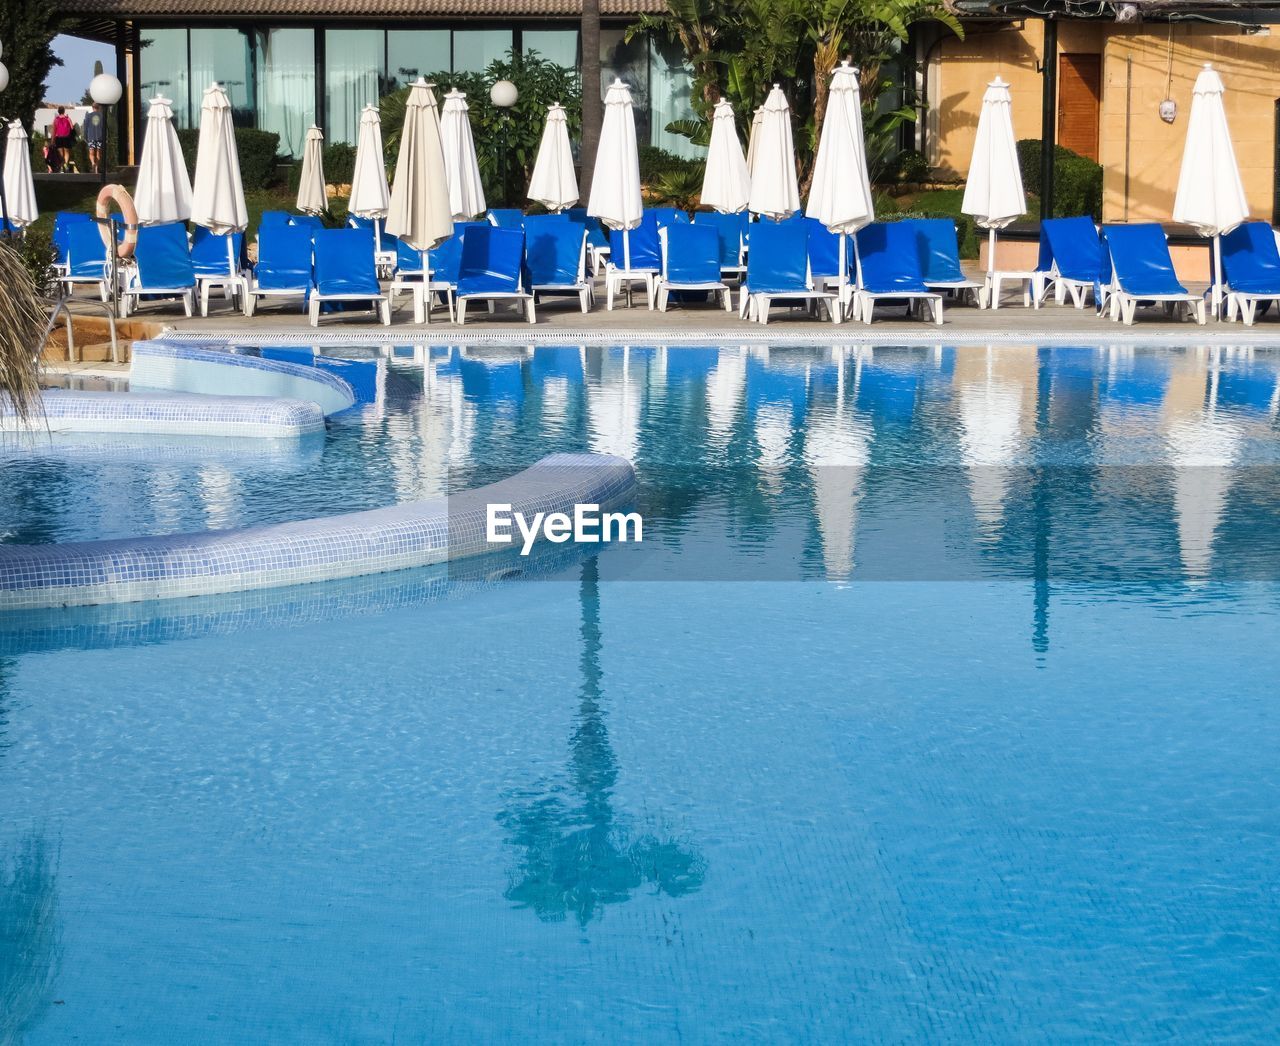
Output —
(1077, 180)
(257, 151)
(655, 162)
(339, 162)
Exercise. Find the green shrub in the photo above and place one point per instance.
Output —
(1077, 180)
(655, 163)
(339, 163)
(35, 248)
(257, 151)
(908, 166)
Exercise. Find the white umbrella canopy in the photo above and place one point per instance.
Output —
(217, 199)
(726, 182)
(419, 209)
(775, 193)
(19, 186)
(163, 192)
(615, 184)
(1210, 193)
(370, 194)
(461, 168)
(753, 137)
(993, 194)
(312, 198)
(554, 183)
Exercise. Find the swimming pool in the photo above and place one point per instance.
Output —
(938, 703)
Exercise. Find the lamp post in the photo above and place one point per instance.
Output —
(504, 95)
(4, 148)
(105, 90)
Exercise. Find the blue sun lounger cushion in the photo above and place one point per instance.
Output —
(729, 230)
(284, 266)
(939, 252)
(691, 262)
(163, 267)
(1250, 269)
(778, 267)
(86, 258)
(506, 217)
(490, 269)
(889, 268)
(346, 272)
(634, 256)
(555, 251)
(1143, 272)
(1074, 259)
(218, 261)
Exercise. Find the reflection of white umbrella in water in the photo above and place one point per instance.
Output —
(1210, 194)
(164, 188)
(615, 183)
(312, 196)
(724, 394)
(613, 413)
(726, 182)
(218, 195)
(447, 428)
(837, 448)
(993, 193)
(461, 168)
(991, 405)
(553, 182)
(1203, 448)
(775, 193)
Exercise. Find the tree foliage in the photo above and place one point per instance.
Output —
(27, 30)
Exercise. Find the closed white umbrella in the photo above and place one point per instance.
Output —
(775, 193)
(419, 209)
(19, 186)
(217, 199)
(163, 193)
(726, 182)
(370, 194)
(753, 138)
(312, 197)
(840, 196)
(1210, 193)
(461, 169)
(615, 183)
(554, 183)
(993, 193)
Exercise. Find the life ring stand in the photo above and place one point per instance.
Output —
(120, 196)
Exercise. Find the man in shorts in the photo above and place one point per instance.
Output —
(95, 137)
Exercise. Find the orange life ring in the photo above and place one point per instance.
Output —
(128, 212)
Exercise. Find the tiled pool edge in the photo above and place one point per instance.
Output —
(172, 414)
(381, 540)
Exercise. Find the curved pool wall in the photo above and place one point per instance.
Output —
(170, 414)
(168, 366)
(412, 535)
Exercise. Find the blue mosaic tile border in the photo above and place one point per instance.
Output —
(413, 535)
(182, 414)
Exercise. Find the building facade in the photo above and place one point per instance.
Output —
(286, 64)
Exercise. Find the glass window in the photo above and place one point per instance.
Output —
(555, 45)
(412, 53)
(352, 77)
(628, 62)
(474, 49)
(670, 89)
(223, 56)
(286, 85)
(164, 71)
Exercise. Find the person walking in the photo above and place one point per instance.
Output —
(95, 137)
(63, 136)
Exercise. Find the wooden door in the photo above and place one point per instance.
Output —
(1079, 102)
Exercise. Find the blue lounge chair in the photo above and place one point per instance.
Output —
(939, 251)
(306, 221)
(728, 228)
(824, 260)
(665, 216)
(889, 268)
(218, 261)
(384, 244)
(1073, 259)
(284, 266)
(62, 223)
(436, 275)
(691, 262)
(86, 259)
(345, 272)
(555, 251)
(163, 268)
(1250, 269)
(597, 241)
(270, 218)
(633, 257)
(490, 269)
(506, 217)
(1142, 272)
(778, 267)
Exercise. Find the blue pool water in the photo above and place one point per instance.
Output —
(939, 704)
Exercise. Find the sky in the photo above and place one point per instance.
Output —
(69, 81)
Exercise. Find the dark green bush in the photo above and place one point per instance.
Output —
(35, 248)
(1077, 180)
(339, 163)
(655, 163)
(908, 166)
(257, 151)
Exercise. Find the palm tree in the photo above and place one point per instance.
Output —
(592, 106)
(21, 325)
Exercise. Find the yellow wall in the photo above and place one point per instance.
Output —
(1250, 67)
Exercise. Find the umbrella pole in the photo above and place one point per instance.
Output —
(626, 261)
(991, 269)
(1217, 277)
(843, 277)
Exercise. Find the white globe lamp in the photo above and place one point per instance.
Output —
(503, 94)
(105, 89)
(4, 76)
